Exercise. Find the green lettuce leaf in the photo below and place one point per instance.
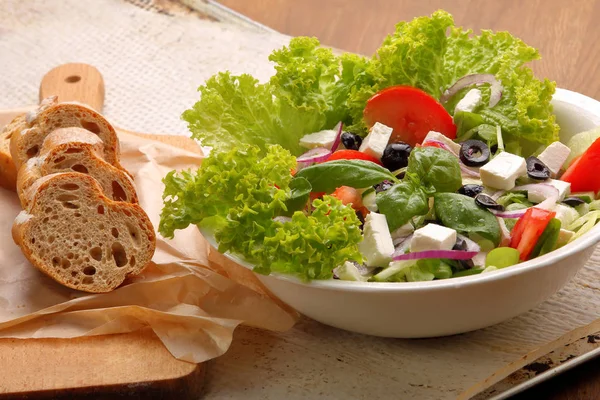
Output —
(412, 55)
(237, 193)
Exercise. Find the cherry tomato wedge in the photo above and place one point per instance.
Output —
(582, 174)
(411, 112)
(349, 195)
(352, 155)
(528, 229)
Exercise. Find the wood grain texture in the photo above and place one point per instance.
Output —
(134, 365)
(564, 32)
(74, 82)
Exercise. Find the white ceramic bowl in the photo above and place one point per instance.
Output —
(446, 307)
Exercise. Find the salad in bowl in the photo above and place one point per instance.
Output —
(437, 158)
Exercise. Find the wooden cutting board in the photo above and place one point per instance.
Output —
(134, 365)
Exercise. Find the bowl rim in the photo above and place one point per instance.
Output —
(586, 241)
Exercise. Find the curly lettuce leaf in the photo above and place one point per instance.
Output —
(412, 56)
(305, 95)
(524, 112)
(238, 193)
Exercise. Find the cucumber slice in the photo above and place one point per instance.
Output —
(394, 268)
(370, 200)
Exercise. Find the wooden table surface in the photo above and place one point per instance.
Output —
(565, 32)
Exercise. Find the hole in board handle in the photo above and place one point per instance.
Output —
(72, 79)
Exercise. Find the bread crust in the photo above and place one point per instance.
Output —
(74, 150)
(51, 116)
(77, 236)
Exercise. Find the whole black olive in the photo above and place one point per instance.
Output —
(573, 201)
(483, 200)
(395, 155)
(537, 169)
(351, 141)
(383, 186)
(470, 190)
(474, 153)
(461, 244)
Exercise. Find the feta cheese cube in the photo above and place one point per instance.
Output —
(564, 188)
(502, 171)
(375, 142)
(438, 137)
(468, 103)
(555, 156)
(565, 214)
(377, 246)
(319, 139)
(433, 237)
(564, 236)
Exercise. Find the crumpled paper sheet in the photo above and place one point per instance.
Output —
(191, 308)
(152, 64)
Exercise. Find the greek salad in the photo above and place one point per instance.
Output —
(436, 158)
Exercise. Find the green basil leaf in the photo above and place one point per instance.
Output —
(463, 215)
(359, 174)
(300, 192)
(437, 169)
(402, 202)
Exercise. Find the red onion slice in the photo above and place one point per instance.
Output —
(338, 138)
(318, 154)
(450, 254)
(475, 79)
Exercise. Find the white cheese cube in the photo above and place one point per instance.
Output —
(319, 139)
(377, 246)
(433, 237)
(565, 214)
(564, 189)
(438, 137)
(468, 103)
(375, 142)
(555, 156)
(502, 171)
(564, 236)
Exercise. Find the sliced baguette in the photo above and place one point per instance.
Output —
(62, 115)
(75, 150)
(8, 171)
(81, 238)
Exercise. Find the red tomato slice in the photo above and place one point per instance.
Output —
(349, 195)
(411, 112)
(528, 229)
(582, 174)
(352, 155)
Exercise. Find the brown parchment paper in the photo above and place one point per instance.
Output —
(193, 301)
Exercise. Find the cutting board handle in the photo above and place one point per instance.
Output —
(75, 82)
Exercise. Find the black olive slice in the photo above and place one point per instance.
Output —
(536, 169)
(573, 201)
(474, 153)
(486, 201)
(470, 190)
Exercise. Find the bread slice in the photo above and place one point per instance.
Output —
(62, 115)
(75, 150)
(8, 171)
(81, 238)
